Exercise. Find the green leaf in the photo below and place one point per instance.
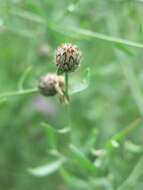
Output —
(64, 130)
(130, 146)
(77, 88)
(81, 159)
(51, 133)
(28, 15)
(101, 183)
(85, 33)
(23, 77)
(134, 176)
(60, 131)
(125, 49)
(100, 36)
(132, 79)
(18, 93)
(77, 32)
(47, 169)
(73, 180)
(114, 141)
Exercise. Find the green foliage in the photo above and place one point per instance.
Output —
(46, 169)
(94, 143)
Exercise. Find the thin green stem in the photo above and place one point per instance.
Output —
(74, 32)
(67, 109)
(19, 93)
(66, 85)
(23, 78)
(67, 97)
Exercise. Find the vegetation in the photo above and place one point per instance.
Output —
(94, 142)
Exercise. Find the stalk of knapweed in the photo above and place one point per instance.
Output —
(68, 59)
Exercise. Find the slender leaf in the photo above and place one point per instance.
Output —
(81, 159)
(77, 88)
(79, 33)
(114, 141)
(23, 77)
(73, 180)
(47, 169)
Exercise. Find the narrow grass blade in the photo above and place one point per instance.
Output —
(18, 93)
(72, 180)
(47, 169)
(131, 80)
(64, 130)
(23, 77)
(53, 133)
(60, 131)
(132, 147)
(52, 136)
(28, 16)
(134, 176)
(79, 33)
(114, 141)
(81, 159)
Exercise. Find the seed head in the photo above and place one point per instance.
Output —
(67, 58)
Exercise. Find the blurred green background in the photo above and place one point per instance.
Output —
(98, 145)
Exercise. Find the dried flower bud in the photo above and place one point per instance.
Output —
(49, 84)
(67, 58)
(52, 84)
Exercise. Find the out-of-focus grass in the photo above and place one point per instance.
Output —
(101, 145)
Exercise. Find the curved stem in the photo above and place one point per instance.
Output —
(19, 93)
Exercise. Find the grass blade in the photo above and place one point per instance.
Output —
(131, 80)
(113, 142)
(18, 93)
(79, 32)
(46, 169)
(81, 159)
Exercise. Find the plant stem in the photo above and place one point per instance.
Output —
(67, 98)
(66, 85)
(19, 93)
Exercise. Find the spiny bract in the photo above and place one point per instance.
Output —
(68, 58)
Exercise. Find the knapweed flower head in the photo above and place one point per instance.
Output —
(68, 58)
(51, 84)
